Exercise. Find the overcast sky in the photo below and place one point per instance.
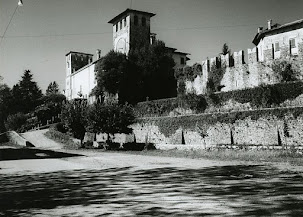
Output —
(43, 31)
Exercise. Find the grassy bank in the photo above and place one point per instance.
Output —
(230, 155)
(62, 138)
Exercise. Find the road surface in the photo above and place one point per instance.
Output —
(87, 183)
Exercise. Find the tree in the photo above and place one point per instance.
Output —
(285, 70)
(16, 121)
(49, 108)
(74, 117)
(5, 102)
(117, 75)
(109, 119)
(156, 67)
(26, 94)
(53, 88)
(225, 49)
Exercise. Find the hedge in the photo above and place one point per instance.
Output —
(264, 96)
(155, 108)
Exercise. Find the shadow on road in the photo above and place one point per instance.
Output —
(30, 153)
(227, 190)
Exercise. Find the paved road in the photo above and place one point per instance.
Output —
(114, 184)
(87, 183)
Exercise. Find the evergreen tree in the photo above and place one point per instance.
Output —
(5, 101)
(53, 88)
(25, 94)
(225, 49)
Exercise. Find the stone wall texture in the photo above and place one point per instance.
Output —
(240, 74)
(265, 132)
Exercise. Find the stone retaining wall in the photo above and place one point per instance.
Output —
(265, 132)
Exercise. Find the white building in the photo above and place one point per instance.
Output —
(128, 27)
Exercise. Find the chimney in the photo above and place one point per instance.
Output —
(98, 53)
(152, 38)
(260, 29)
(269, 24)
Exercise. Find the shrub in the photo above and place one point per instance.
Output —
(154, 108)
(16, 121)
(65, 139)
(60, 127)
(284, 70)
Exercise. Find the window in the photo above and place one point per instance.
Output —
(143, 21)
(121, 24)
(136, 20)
(117, 27)
(182, 61)
(292, 43)
(277, 46)
(125, 21)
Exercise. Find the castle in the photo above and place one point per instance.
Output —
(276, 42)
(127, 27)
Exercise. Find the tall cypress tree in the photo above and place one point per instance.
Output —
(26, 94)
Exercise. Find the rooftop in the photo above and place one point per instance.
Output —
(127, 12)
(277, 28)
(78, 53)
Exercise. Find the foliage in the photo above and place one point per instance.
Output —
(169, 125)
(50, 107)
(285, 71)
(264, 96)
(5, 99)
(74, 117)
(111, 69)
(225, 49)
(53, 88)
(156, 67)
(215, 76)
(16, 121)
(147, 72)
(60, 127)
(188, 73)
(155, 108)
(194, 102)
(109, 119)
(26, 94)
(62, 138)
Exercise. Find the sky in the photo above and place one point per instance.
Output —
(41, 32)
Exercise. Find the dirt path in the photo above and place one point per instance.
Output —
(39, 140)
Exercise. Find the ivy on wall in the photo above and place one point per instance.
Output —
(169, 125)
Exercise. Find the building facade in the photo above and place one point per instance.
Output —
(131, 28)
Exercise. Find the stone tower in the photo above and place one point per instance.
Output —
(131, 28)
(74, 61)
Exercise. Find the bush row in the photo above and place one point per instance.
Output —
(263, 96)
(259, 97)
(156, 108)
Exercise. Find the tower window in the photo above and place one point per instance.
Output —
(121, 24)
(182, 61)
(143, 21)
(125, 21)
(117, 27)
(136, 20)
(277, 46)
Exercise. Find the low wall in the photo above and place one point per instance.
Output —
(16, 139)
(268, 128)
